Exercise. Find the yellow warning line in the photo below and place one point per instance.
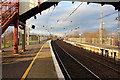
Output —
(31, 64)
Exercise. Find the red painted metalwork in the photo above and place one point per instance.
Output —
(16, 29)
(17, 6)
(9, 7)
(38, 3)
(16, 37)
(10, 14)
(9, 21)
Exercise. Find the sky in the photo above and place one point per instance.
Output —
(84, 18)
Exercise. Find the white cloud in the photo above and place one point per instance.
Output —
(84, 14)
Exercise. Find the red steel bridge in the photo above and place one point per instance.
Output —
(9, 16)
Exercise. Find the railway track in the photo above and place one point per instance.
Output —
(116, 70)
(72, 68)
(108, 59)
(110, 63)
(90, 65)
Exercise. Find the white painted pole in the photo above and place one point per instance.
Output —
(28, 36)
(101, 28)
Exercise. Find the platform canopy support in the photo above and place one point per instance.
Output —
(16, 37)
(22, 27)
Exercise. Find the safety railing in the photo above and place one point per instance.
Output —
(8, 9)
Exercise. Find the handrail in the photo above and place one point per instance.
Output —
(8, 9)
(7, 14)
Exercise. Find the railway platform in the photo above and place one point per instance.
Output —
(35, 63)
(79, 63)
(106, 50)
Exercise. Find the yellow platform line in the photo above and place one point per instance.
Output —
(31, 64)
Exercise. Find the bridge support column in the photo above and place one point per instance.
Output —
(23, 39)
(16, 37)
(22, 25)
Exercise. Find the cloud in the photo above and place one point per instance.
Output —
(84, 14)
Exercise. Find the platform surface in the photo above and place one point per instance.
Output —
(14, 66)
(43, 66)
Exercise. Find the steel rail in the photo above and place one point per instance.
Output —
(80, 63)
(102, 64)
(61, 63)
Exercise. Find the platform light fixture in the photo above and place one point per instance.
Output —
(35, 17)
(72, 2)
(21, 27)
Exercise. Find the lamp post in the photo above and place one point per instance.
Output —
(118, 31)
(118, 19)
(28, 35)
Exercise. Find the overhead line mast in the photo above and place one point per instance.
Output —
(101, 28)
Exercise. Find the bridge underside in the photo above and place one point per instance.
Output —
(37, 10)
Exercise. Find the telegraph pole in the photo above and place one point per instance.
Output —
(101, 28)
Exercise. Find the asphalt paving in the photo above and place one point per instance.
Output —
(13, 67)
